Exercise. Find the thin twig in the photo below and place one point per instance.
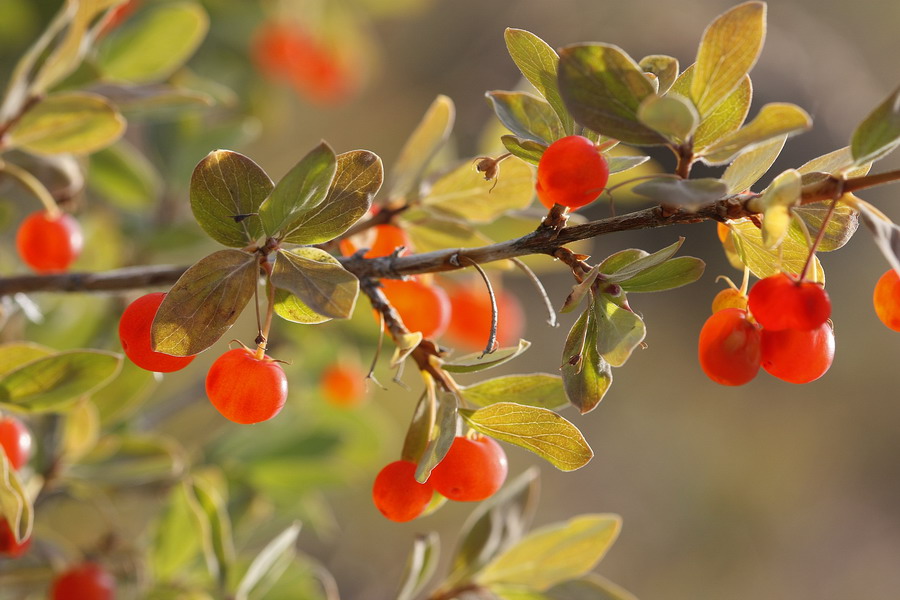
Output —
(492, 344)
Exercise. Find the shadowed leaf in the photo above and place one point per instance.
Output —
(284, 544)
(664, 67)
(124, 177)
(749, 166)
(885, 233)
(176, 542)
(124, 460)
(527, 116)
(589, 587)
(420, 566)
(672, 116)
(539, 63)
(441, 436)
(67, 122)
(690, 194)
(528, 150)
(318, 280)
(586, 375)
(205, 302)
(879, 133)
(618, 164)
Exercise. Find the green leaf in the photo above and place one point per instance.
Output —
(16, 354)
(618, 164)
(728, 50)
(762, 262)
(121, 398)
(619, 330)
(773, 120)
(555, 553)
(465, 194)
(284, 544)
(15, 504)
(67, 123)
(157, 43)
(671, 274)
(428, 232)
(528, 150)
(664, 67)
(603, 88)
(537, 430)
(536, 389)
(52, 382)
(429, 136)
(777, 200)
(833, 162)
(527, 116)
(477, 361)
(495, 525)
(210, 510)
(81, 430)
(130, 460)
(621, 259)
(690, 194)
(318, 280)
(443, 431)
(628, 263)
(291, 308)
(300, 191)
(879, 134)
(420, 566)
(586, 375)
(727, 117)
(589, 587)
(580, 290)
(205, 302)
(419, 430)
(672, 116)
(841, 226)
(176, 541)
(358, 177)
(749, 166)
(539, 63)
(227, 190)
(124, 177)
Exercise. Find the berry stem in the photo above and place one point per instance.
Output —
(819, 236)
(263, 339)
(33, 185)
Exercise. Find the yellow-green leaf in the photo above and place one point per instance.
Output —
(539, 63)
(671, 274)
(672, 116)
(762, 262)
(18, 353)
(464, 193)
(428, 137)
(67, 123)
(728, 50)
(420, 565)
(619, 330)
(124, 177)
(283, 545)
(773, 120)
(537, 430)
(176, 542)
(535, 389)
(749, 166)
(665, 68)
(555, 553)
(15, 505)
(777, 200)
(478, 361)
(528, 150)
(318, 280)
(728, 116)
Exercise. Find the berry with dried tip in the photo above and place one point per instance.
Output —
(798, 355)
(87, 581)
(15, 440)
(134, 333)
(8, 545)
(886, 299)
(472, 470)
(49, 243)
(398, 495)
(571, 172)
(729, 347)
(246, 389)
(779, 302)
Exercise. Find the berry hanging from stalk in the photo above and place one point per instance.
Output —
(571, 172)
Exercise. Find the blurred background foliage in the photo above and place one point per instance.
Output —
(764, 491)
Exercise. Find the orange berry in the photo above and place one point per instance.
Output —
(472, 470)
(571, 172)
(343, 385)
(778, 302)
(470, 320)
(722, 230)
(729, 347)
(134, 333)
(398, 495)
(798, 355)
(15, 440)
(88, 581)
(49, 244)
(886, 299)
(422, 307)
(246, 389)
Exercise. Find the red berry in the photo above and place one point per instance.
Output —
(778, 302)
(246, 389)
(472, 470)
(49, 244)
(571, 172)
(470, 317)
(344, 384)
(887, 299)
(387, 239)
(88, 581)
(798, 356)
(729, 347)
(15, 439)
(134, 333)
(422, 307)
(398, 495)
(8, 544)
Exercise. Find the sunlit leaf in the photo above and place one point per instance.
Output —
(728, 50)
(688, 193)
(749, 166)
(833, 162)
(464, 193)
(420, 566)
(773, 120)
(539, 63)
(156, 44)
(664, 67)
(841, 226)
(619, 260)
(15, 505)
(528, 150)
(879, 133)
(282, 545)
(628, 263)
(672, 115)
(586, 375)
(619, 330)
(226, 192)
(405, 343)
(777, 200)
(318, 280)
(603, 88)
(16, 354)
(67, 122)
(52, 382)
(553, 554)
(671, 274)
(476, 361)
(205, 302)
(725, 118)
(535, 389)
(538, 430)
(789, 257)
(429, 136)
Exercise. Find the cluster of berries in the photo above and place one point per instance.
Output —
(473, 470)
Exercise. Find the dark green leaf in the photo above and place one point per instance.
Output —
(67, 123)
(586, 375)
(420, 566)
(749, 166)
(227, 190)
(589, 587)
(618, 164)
(603, 88)
(773, 120)
(358, 177)
(728, 50)
(619, 330)
(664, 67)
(443, 432)
(318, 280)
(51, 382)
(555, 553)
(673, 273)
(429, 136)
(539, 64)
(157, 43)
(284, 544)
(471, 363)
(690, 194)
(465, 194)
(124, 177)
(205, 302)
(527, 116)
(672, 116)
(537, 430)
(879, 133)
(536, 389)
(298, 193)
(15, 504)
(528, 150)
